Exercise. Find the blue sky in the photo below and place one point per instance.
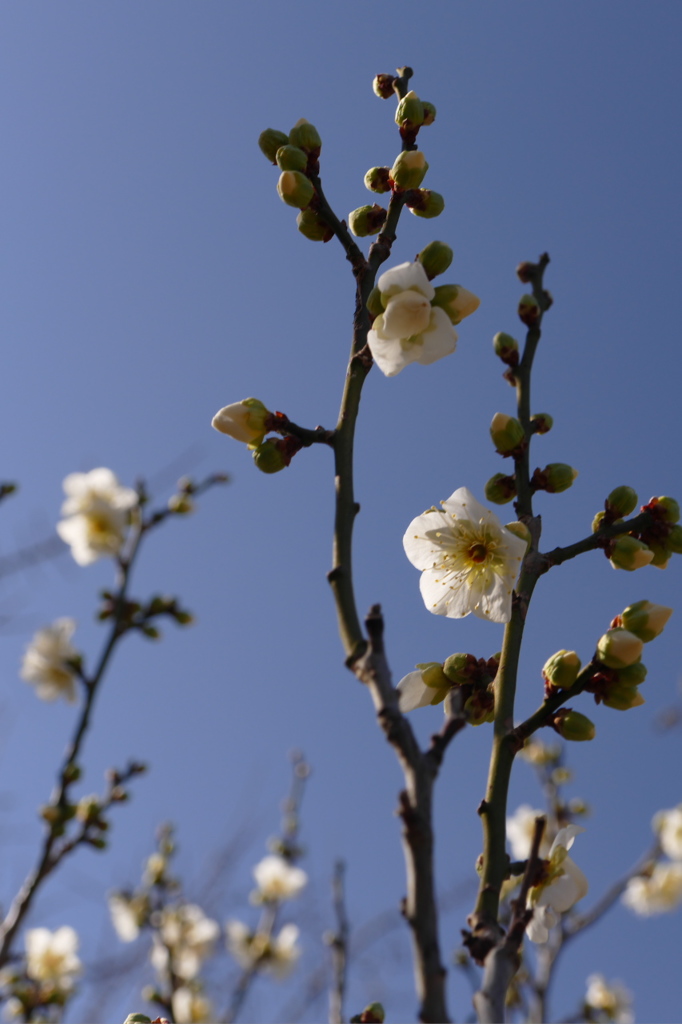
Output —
(151, 275)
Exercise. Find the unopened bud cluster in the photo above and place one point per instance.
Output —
(297, 157)
(650, 544)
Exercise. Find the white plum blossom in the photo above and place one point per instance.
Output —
(668, 825)
(655, 894)
(190, 1007)
(46, 661)
(469, 561)
(127, 913)
(520, 831)
(51, 957)
(97, 511)
(414, 693)
(612, 1001)
(285, 951)
(189, 935)
(276, 954)
(410, 329)
(563, 885)
(240, 942)
(278, 880)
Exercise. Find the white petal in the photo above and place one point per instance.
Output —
(389, 355)
(414, 693)
(406, 276)
(440, 339)
(566, 837)
(463, 505)
(443, 598)
(422, 546)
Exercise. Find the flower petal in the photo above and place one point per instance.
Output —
(413, 692)
(403, 277)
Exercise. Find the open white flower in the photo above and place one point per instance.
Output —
(97, 510)
(469, 561)
(564, 884)
(520, 831)
(46, 660)
(189, 935)
(657, 894)
(51, 957)
(613, 1001)
(278, 880)
(410, 330)
(668, 825)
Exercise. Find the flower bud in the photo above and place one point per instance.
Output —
(244, 421)
(619, 648)
(410, 111)
(479, 708)
(673, 541)
(526, 271)
(598, 521)
(269, 457)
(374, 1013)
(306, 137)
(457, 302)
(541, 423)
(409, 169)
(622, 501)
(623, 696)
(295, 189)
(383, 86)
(137, 1018)
(376, 179)
(562, 669)
(429, 113)
(313, 226)
(459, 668)
(629, 553)
(270, 141)
(521, 531)
(554, 478)
(666, 509)
(632, 675)
(366, 220)
(645, 620)
(433, 675)
(291, 158)
(425, 203)
(506, 433)
(500, 489)
(435, 259)
(374, 302)
(573, 726)
(660, 552)
(506, 347)
(529, 311)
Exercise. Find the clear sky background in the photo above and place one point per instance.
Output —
(151, 275)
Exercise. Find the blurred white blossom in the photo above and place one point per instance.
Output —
(51, 957)
(657, 894)
(668, 825)
(189, 935)
(97, 511)
(469, 561)
(612, 1000)
(285, 951)
(276, 954)
(191, 1007)
(127, 913)
(277, 879)
(563, 885)
(46, 660)
(520, 831)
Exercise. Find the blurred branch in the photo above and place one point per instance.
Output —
(338, 943)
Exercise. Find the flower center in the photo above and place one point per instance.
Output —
(478, 553)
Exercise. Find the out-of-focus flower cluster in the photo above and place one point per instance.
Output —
(97, 514)
(45, 979)
(659, 888)
(607, 1001)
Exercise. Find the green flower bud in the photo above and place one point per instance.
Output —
(366, 220)
(383, 86)
(506, 433)
(562, 669)
(673, 541)
(295, 189)
(433, 675)
(622, 501)
(376, 179)
(632, 675)
(459, 668)
(435, 259)
(529, 311)
(628, 553)
(573, 726)
(480, 707)
(457, 302)
(291, 158)
(270, 141)
(618, 648)
(306, 137)
(506, 347)
(558, 477)
(137, 1018)
(425, 203)
(500, 489)
(374, 303)
(661, 553)
(646, 620)
(409, 169)
(666, 509)
(429, 113)
(598, 521)
(622, 697)
(269, 457)
(410, 111)
(541, 423)
(244, 421)
(313, 226)
(521, 531)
